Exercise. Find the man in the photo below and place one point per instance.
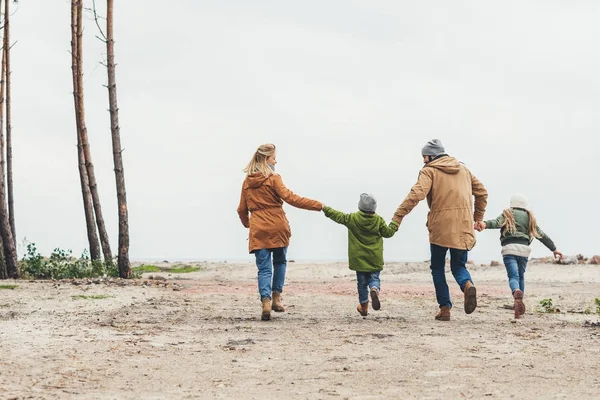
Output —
(449, 188)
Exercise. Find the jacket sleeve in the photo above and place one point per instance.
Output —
(481, 195)
(545, 239)
(293, 199)
(387, 231)
(336, 216)
(242, 210)
(418, 192)
(495, 223)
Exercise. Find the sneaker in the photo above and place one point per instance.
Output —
(375, 298)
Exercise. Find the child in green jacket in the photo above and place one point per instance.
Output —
(366, 231)
(518, 227)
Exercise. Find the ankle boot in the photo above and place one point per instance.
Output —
(363, 309)
(266, 309)
(519, 305)
(277, 304)
(444, 314)
(470, 297)
(375, 299)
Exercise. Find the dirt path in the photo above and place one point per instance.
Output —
(205, 338)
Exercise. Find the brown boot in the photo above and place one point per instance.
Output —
(375, 299)
(519, 305)
(277, 304)
(470, 297)
(266, 309)
(444, 314)
(363, 309)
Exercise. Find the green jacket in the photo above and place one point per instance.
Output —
(365, 238)
(521, 236)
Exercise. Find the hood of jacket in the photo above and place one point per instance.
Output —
(256, 180)
(367, 223)
(446, 164)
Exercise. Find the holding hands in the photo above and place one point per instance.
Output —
(479, 226)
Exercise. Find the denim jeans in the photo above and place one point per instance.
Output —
(458, 262)
(365, 281)
(515, 269)
(271, 274)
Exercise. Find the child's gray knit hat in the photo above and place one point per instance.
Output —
(367, 203)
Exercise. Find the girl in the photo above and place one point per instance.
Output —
(518, 228)
(263, 194)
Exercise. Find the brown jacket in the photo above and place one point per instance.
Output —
(449, 188)
(263, 197)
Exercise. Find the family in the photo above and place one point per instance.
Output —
(449, 187)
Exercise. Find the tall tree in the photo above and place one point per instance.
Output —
(82, 131)
(8, 241)
(124, 266)
(77, 68)
(9, 168)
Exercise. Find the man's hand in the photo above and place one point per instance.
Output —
(479, 226)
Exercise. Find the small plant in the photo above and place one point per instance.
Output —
(597, 301)
(13, 287)
(90, 297)
(62, 265)
(548, 307)
(183, 269)
(145, 268)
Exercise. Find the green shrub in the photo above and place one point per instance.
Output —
(62, 265)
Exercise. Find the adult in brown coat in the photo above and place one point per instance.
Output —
(263, 194)
(449, 187)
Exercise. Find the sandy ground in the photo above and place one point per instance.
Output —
(200, 336)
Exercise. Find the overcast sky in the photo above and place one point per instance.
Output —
(349, 91)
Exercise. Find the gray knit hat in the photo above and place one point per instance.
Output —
(367, 203)
(433, 148)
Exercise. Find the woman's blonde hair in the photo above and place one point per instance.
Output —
(510, 225)
(258, 163)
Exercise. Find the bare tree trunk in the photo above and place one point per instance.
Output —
(3, 272)
(9, 168)
(93, 185)
(76, 67)
(8, 242)
(124, 266)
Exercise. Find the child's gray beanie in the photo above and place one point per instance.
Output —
(367, 203)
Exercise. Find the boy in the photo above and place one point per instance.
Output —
(366, 231)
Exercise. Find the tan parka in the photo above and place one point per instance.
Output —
(263, 198)
(449, 188)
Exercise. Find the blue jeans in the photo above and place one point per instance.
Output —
(458, 262)
(365, 281)
(515, 269)
(271, 275)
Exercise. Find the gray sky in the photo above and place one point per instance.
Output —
(349, 91)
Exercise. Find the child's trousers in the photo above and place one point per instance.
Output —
(365, 281)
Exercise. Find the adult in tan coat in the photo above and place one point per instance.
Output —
(449, 187)
(263, 194)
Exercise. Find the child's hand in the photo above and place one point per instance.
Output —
(557, 255)
(479, 226)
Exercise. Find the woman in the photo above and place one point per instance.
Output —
(263, 194)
